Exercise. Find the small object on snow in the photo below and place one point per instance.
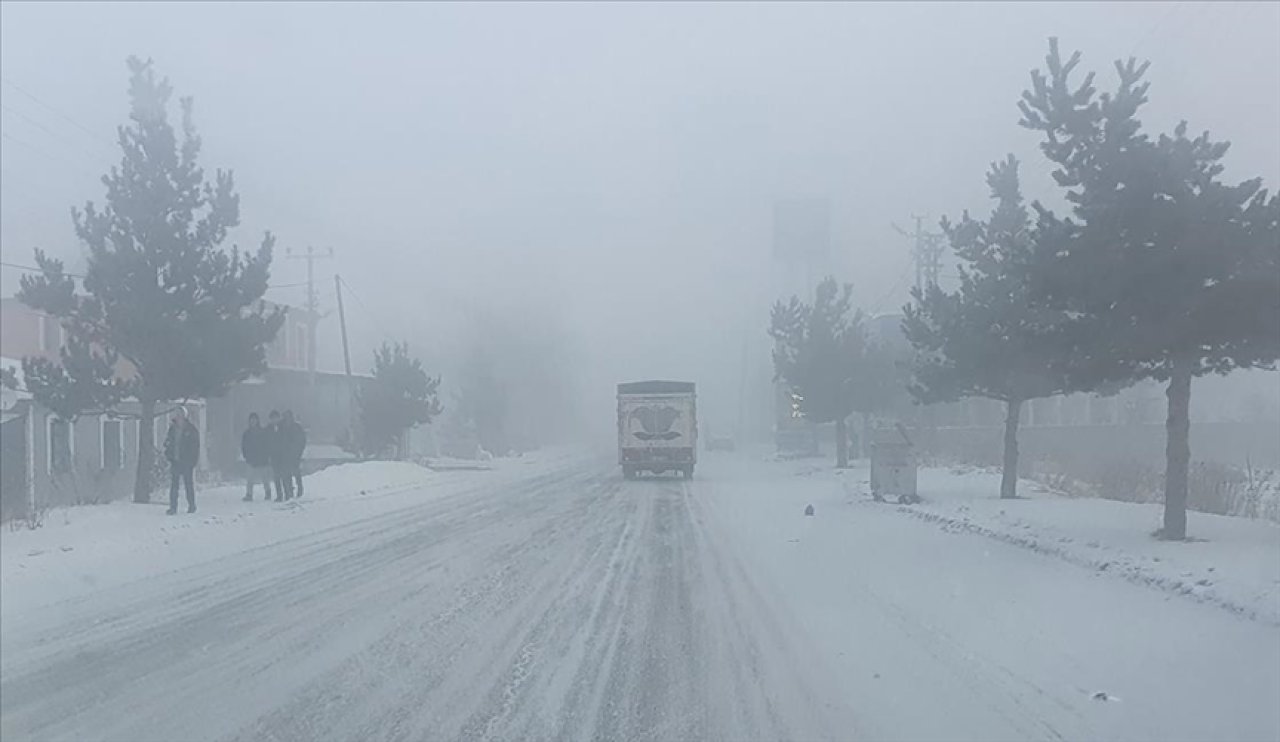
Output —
(1104, 696)
(35, 552)
(1211, 569)
(1103, 567)
(876, 676)
(66, 548)
(808, 510)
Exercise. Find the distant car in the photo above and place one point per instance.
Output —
(719, 444)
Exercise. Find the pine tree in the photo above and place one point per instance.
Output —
(1166, 267)
(990, 338)
(166, 313)
(400, 396)
(819, 352)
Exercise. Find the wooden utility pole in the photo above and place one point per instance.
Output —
(313, 309)
(346, 362)
(342, 322)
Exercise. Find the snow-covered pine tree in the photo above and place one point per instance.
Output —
(399, 396)
(819, 352)
(1166, 268)
(989, 338)
(159, 292)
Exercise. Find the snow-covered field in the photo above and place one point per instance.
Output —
(550, 599)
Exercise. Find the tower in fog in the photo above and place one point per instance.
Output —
(801, 258)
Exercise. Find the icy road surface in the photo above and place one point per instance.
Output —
(569, 604)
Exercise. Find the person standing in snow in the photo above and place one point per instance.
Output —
(182, 450)
(293, 439)
(255, 446)
(278, 458)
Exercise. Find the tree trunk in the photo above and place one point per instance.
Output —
(146, 452)
(1009, 472)
(842, 444)
(1177, 451)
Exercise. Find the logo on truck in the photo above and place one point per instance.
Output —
(655, 423)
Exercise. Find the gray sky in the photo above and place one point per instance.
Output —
(610, 168)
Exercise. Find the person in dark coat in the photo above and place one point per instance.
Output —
(255, 446)
(293, 439)
(182, 450)
(278, 457)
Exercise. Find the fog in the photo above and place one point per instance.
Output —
(605, 174)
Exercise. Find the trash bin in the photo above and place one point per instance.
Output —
(893, 465)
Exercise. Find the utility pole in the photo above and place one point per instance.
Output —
(342, 322)
(346, 363)
(313, 309)
(926, 252)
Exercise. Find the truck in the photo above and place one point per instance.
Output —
(657, 427)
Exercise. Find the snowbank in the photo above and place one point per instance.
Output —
(89, 548)
(1231, 562)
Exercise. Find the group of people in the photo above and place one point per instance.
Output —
(273, 453)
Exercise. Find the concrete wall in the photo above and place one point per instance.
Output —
(89, 479)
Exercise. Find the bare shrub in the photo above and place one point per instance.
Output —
(32, 519)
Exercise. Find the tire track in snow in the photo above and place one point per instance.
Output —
(255, 613)
(568, 605)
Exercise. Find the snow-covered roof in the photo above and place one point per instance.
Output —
(326, 451)
(10, 397)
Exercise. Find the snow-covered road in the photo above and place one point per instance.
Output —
(570, 604)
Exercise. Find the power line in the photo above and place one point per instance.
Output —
(1166, 16)
(365, 307)
(64, 116)
(33, 269)
(60, 138)
(879, 304)
(356, 296)
(45, 154)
